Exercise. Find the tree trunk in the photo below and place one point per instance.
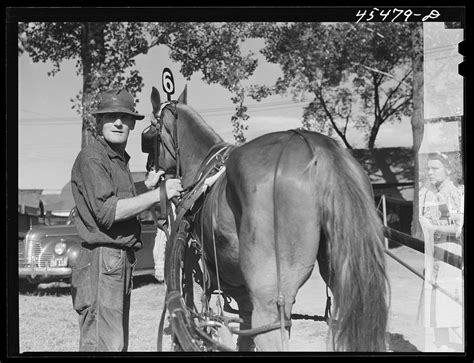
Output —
(417, 121)
(374, 132)
(375, 129)
(92, 55)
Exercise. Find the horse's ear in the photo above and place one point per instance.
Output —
(183, 98)
(155, 99)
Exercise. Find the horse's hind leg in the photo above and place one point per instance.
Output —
(260, 262)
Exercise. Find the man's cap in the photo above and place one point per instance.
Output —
(117, 100)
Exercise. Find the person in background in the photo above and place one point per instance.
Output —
(441, 202)
(441, 218)
(107, 209)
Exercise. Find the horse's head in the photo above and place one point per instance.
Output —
(165, 114)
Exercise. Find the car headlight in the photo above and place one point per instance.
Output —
(60, 248)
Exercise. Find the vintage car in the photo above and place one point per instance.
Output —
(48, 251)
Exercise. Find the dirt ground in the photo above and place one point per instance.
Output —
(404, 333)
(47, 322)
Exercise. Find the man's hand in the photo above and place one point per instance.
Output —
(152, 178)
(173, 188)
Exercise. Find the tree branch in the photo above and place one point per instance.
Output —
(326, 110)
(395, 109)
(378, 71)
(388, 105)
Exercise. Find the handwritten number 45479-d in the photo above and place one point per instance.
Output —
(393, 14)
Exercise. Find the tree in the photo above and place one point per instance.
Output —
(104, 54)
(105, 57)
(417, 121)
(358, 74)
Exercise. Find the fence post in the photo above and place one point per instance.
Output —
(384, 213)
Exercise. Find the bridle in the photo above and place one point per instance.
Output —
(172, 135)
(160, 129)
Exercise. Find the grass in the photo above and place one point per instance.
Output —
(48, 323)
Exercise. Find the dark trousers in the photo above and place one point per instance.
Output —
(100, 288)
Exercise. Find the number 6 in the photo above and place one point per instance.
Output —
(167, 81)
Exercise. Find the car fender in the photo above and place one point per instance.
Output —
(73, 251)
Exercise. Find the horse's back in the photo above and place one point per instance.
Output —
(292, 155)
(254, 164)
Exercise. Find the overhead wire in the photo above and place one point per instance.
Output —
(55, 120)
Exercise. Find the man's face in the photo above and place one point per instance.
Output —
(437, 173)
(116, 127)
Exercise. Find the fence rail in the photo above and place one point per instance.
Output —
(419, 245)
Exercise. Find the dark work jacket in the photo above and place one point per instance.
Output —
(99, 178)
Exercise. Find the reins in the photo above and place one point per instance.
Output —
(166, 217)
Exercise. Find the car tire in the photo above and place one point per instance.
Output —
(25, 286)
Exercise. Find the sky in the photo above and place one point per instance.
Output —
(49, 131)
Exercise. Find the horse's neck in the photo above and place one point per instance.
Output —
(195, 139)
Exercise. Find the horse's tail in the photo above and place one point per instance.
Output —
(354, 236)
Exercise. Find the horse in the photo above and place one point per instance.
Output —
(286, 200)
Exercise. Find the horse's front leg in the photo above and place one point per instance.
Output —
(245, 343)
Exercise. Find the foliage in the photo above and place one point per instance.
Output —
(358, 74)
(104, 54)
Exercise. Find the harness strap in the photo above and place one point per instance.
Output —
(226, 150)
(214, 211)
(260, 329)
(159, 340)
(156, 147)
(164, 203)
(280, 297)
(162, 107)
(205, 180)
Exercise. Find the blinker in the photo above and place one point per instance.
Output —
(150, 136)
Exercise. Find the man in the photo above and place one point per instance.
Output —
(107, 208)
